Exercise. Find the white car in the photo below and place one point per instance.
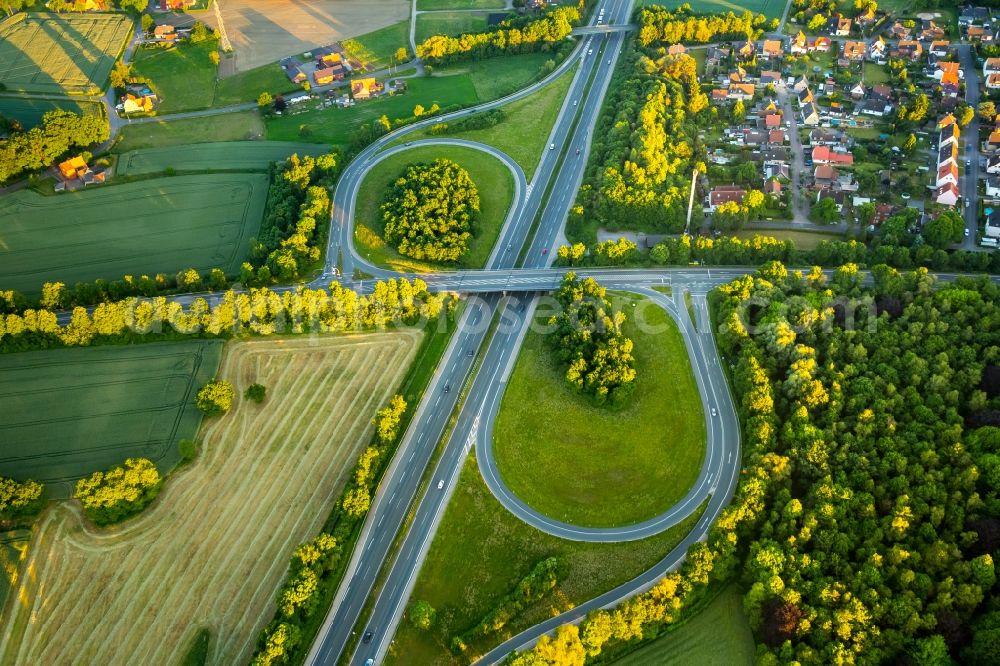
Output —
(966, 233)
(440, 484)
(574, 102)
(713, 411)
(552, 146)
(590, 52)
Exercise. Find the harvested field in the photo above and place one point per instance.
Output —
(243, 156)
(29, 111)
(263, 31)
(70, 412)
(159, 225)
(13, 550)
(61, 54)
(213, 550)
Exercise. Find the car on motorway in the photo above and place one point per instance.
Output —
(577, 151)
(370, 661)
(574, 102)
(968, 163)
(468, 353)
(440, 484)
(590, 51)
(367, 638)
(713, 411)
(447, 387)
(552, 146)
(545, 250)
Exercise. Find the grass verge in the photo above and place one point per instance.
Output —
(496, 192)
(598, 466)
(448, 23)
(481, 551)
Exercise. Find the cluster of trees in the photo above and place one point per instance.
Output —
(483, 120)
(658, 24)
(609, 252)
(40, 146)
(732, 215)
(525, 35)
(387, 420)
(257, 312)
(255, 392)
(422, 615)
(215, 397)
(59, 6)
(588, 339)
(120, 492)
(297, 601)
(643, 147)
(543, 579)
(295, 220)
(862, 522)
(431, 210)
(19, 499)
(357, 498)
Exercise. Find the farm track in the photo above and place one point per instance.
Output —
(266, 480)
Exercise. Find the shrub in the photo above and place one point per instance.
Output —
(215, 397)
(120, 492)
(255, 392)
(19, 499)
(422, 615)
(188, 450)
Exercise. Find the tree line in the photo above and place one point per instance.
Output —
(120, 492)
(430, 211)
(259, 311)
(39, 147)
(20, 500)
(526, 35)
(660, 25)
(588, 339)
(863, 526)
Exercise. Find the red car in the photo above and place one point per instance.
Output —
(545, 250)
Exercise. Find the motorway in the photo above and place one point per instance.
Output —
(562, 170)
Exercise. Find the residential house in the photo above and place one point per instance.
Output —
(73, 168)
(772, 121)
(866, 19)
(806, 97)
(947, 174)
(878, 49)
(824, 176)
(821, 44)
(772, 48)
(328, 75)
(836, 195)
(992, 144)
(824, 155)
(993, 226)
(132, 103)
(940, 48)
(882, 93)
(365, 88)
(976, 33)
(874, 107)
(991, 66)
(776, 136)
(948, 134)
(973, 15)
(930, 30)
(724, 194)
(841, 25)
(993, 81)
(720, 94)
(947, 154)
(751, 137)
(993, 164)
(165, 32)
(741, 91)
(857, 91)
(827, 137)
(910, 49)
(801, 83)
(739, 75)
(947, 194)
(810, 116)
(799, 44)
(854, 51)
(948, 72)
(772, 187)
(899, 31)
(716, 55)
(293, 71)
(676, 50)
(947, 119)
(745, 51)
(769, 77)
(883, 212)
(993, 187)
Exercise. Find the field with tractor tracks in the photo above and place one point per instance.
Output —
(214, 547)
(146, 227)
(238, 156)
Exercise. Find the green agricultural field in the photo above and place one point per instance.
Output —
(481, 551)
(719, 635)
(60, 54)
(68, 412)
(247, 86)
(151, 226)
(29, 111)
(183, 76)
(241, 126)
(598, 466)
(496, 191)
(430, 5)
(525, 130)
(377, 49)
(242, 156)
(449, 23)
(770, 8)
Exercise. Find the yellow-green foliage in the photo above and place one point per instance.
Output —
(215, 397)
(18, 498)
(120, 492)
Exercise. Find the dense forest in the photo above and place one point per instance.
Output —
(866, 524)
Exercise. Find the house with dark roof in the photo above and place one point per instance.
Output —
(724, 194)
(810, 116)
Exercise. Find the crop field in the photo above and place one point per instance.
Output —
(239, 126)
(13, 549)
(214, 547)
(449, 23)
(29, 111)
(770, 8)
(69, 412)
(243, 156)
(61, 54)
(718, 635)
(425, 5)
(160, 225)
